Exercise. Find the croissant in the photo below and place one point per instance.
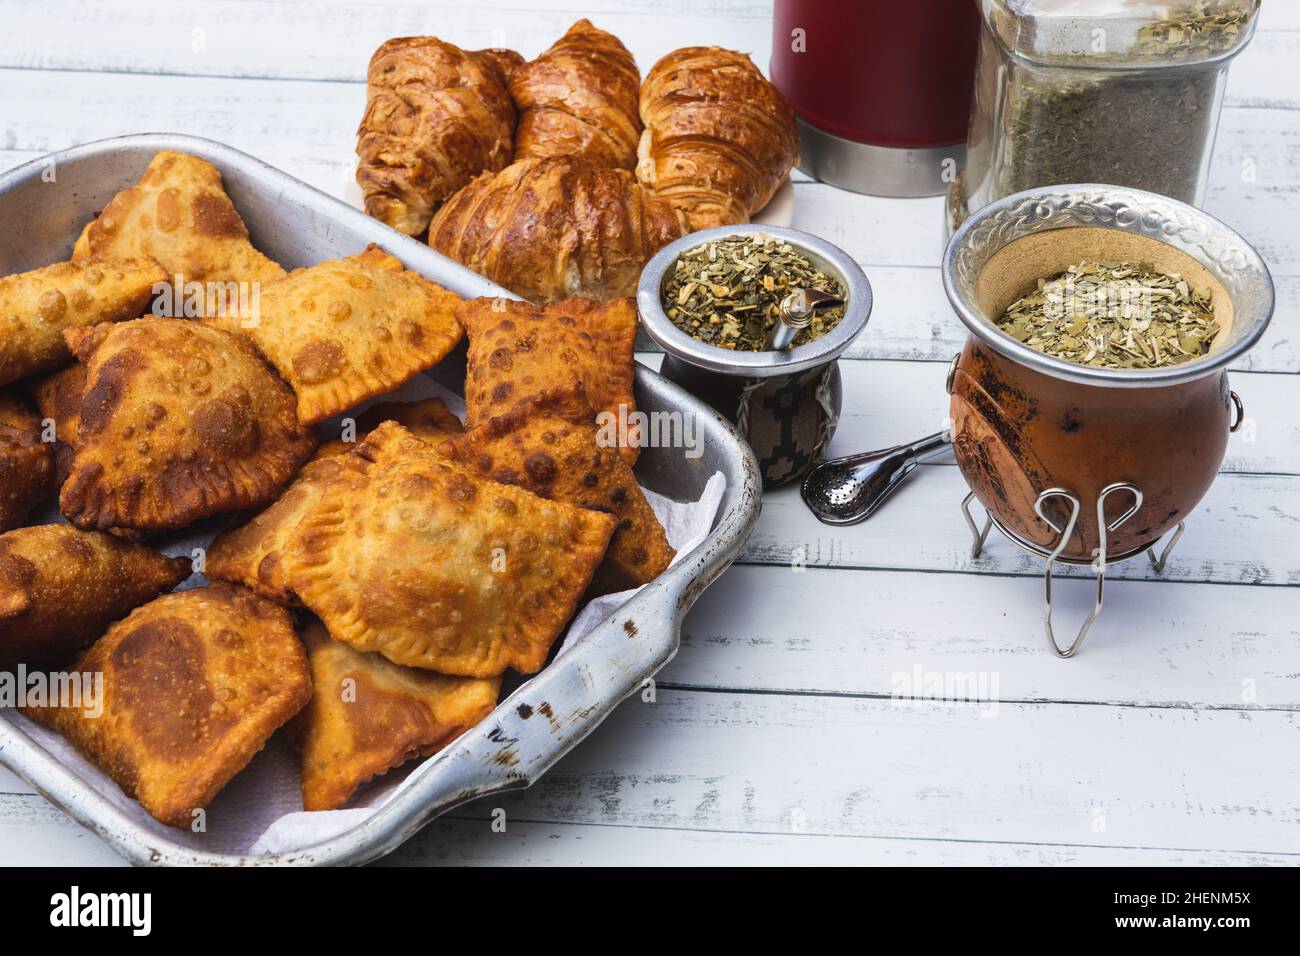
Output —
(579, 99)
(718, 139)
(436, 116)
(551, 229)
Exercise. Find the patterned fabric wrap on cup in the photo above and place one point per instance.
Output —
(788, 420)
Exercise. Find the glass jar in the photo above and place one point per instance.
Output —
(1122, 92)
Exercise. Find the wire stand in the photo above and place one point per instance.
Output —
(1052, 554)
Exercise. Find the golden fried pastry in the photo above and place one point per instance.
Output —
(429, 420)
(179, 214)
(719, 138)
(349, 329)
(436, 116)
(551, 229)
(195, 683)
(60, 587)
(331, 449)
(368, 715)
(436, 567)
(26, 462)
(250, 554)
(178, 421)
(58, 397)
(579, 100)
(550, 445)
(35, 308)
(517, 350)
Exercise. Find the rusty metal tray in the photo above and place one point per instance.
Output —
(297, 226)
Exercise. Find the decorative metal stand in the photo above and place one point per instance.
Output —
(1053, 554)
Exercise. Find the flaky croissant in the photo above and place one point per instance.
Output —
(579, 99)
(551, 229)
(718, 139)
(436, 116)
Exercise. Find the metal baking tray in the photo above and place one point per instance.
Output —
(298, 226)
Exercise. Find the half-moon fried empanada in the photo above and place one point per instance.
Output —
(349, 329)
(179, 213)
(550, 445)
(60, 587)
(195, 683)
(178, 421)
(58, 397)
(250, 553)
(35, 308)
(26, 462)
(517, 350)
(436, 567)
(368, 715)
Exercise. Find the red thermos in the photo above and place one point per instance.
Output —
(882, 89)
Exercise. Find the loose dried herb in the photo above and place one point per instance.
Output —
(728, 292)
(1150, 127)
(1200, 30)
(1110, 314)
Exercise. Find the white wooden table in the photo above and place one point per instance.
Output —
(1173, 738)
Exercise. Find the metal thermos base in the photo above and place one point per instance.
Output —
(878, 170)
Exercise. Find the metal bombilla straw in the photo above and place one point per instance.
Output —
(795, 314)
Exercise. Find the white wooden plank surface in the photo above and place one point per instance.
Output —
(1242, 533)
(247, 38)
(1036, 773)
(775, 735)
(44, 836)
(867, 767)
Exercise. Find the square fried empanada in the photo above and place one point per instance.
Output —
(35, 308)
(60, 587)
(178, 421)
(348, 329)
(429, 420)
(26, 462)
(517, 349)
(250, 554)
(368, 716)
(179, 214)
(434, 566)
(195, 682)
(550, 445)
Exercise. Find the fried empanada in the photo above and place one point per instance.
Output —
(60, 587)
(58, 397)
(332, 449)
(195, 683)
(349, 329)
(517, 350)
(368, 715)
(550, 445)
(178, 421)
(35, 308)
(429, 420)
(26, 462)
(436, 567)
(250, 553)
(179, 214)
